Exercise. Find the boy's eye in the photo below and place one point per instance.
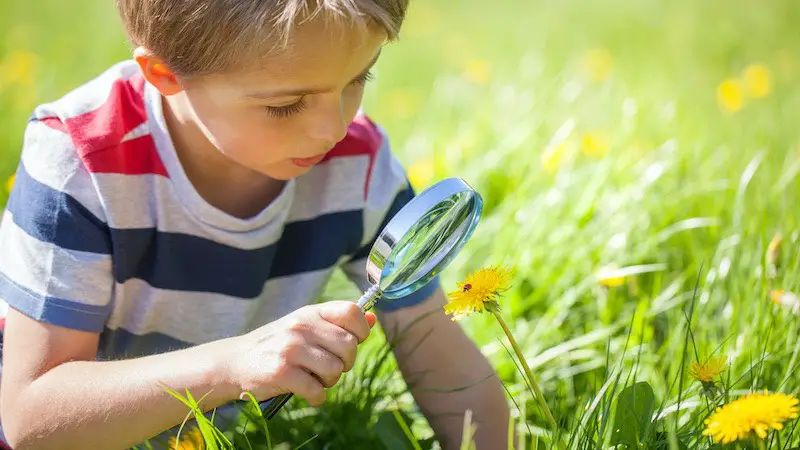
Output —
(363, 79)
(281, 112)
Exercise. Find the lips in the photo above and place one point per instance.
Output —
(308, 162)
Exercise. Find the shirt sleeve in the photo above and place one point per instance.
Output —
(55, 245)
(388, 191)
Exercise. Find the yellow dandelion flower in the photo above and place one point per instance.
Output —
(705, 372)
(730, 95)
(553, 157)
(191, 440)
(785, 299)
(478, 292)
(753, 413)
(597, 63)
(774, 249)
(757, 81)
(610, 276)
(403, 103)
(421, 172)
(478, 71)
(595, 145)
(19, 67)
(10, 183)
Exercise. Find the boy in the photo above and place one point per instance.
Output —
(173, 220)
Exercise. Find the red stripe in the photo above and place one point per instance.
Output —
(363, 138)
(133, 157)
(98, 134)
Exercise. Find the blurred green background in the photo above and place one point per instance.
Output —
(626, 152)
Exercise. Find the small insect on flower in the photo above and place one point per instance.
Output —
(752, 414)
(478, 292)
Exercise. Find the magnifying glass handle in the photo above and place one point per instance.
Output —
(271, 406)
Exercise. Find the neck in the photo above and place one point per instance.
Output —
(226, 185)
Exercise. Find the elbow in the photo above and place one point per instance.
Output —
(17, 429)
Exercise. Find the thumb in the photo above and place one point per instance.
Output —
(371, 319)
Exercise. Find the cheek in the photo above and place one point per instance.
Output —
(352, 101)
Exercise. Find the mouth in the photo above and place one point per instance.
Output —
(308, 162)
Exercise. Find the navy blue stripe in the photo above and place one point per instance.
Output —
(189, 263)
(118, 343)
(53, 216)
(58, 311)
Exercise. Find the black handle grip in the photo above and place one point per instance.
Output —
(271, 406)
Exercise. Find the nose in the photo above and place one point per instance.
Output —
(330, 125)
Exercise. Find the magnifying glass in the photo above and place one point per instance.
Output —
(414, 247)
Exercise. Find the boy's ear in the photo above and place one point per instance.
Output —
(156, 72)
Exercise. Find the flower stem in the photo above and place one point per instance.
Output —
(531, 381)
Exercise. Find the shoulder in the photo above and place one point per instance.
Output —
(103, 122)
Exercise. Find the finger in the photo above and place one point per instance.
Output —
(348, 316)
(371, 318)
(301, 383)
(337, 341)
(323, 364)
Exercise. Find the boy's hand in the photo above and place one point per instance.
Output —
(303, 352)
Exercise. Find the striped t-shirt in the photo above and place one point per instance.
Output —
(103, 231)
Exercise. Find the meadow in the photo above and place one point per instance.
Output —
(639, 164)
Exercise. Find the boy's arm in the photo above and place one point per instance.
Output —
(446, 360)
(55, 395)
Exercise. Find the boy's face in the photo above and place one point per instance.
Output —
(282, 119)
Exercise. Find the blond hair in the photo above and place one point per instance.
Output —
(202, 37)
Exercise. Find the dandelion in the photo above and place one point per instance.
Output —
(403, 103)
(480, 292)
(753, 413)
(757, 81)
(553, 157)
(193, 440)
(477, 71)
(610, 277)
(595, 145)
(786, 299)
(10, 183)
(421, 172)
(705, 372)
(597, 63)
(730, 95)
(773, 255)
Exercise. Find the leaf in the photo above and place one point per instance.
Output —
(391, 433)
(633, 415)
(662, 442)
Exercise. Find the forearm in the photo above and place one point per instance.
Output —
(112, 404)
(448, 375)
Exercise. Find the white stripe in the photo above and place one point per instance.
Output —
(199, 317)
(50, 270)
(89, 96)
(139, 131)
(149, 201)
(387, 180)
(49, 158)
(335, 186)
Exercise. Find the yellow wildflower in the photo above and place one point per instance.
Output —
(773, 256)
(730, 95)
(757, 81)
(705, 372)
(478, 292)
(610, 276)
(421, 172)
(191, 440)
(403, 103)
(553, 157)
(478, 71)
(753, 413)
(19, 67)
(595, 145)
(786, 300)
(10, 182)
(597, 63)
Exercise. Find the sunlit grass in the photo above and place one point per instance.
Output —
(636, 161)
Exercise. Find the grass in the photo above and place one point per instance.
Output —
(595, 134)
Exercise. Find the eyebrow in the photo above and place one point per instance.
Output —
(306, 91)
